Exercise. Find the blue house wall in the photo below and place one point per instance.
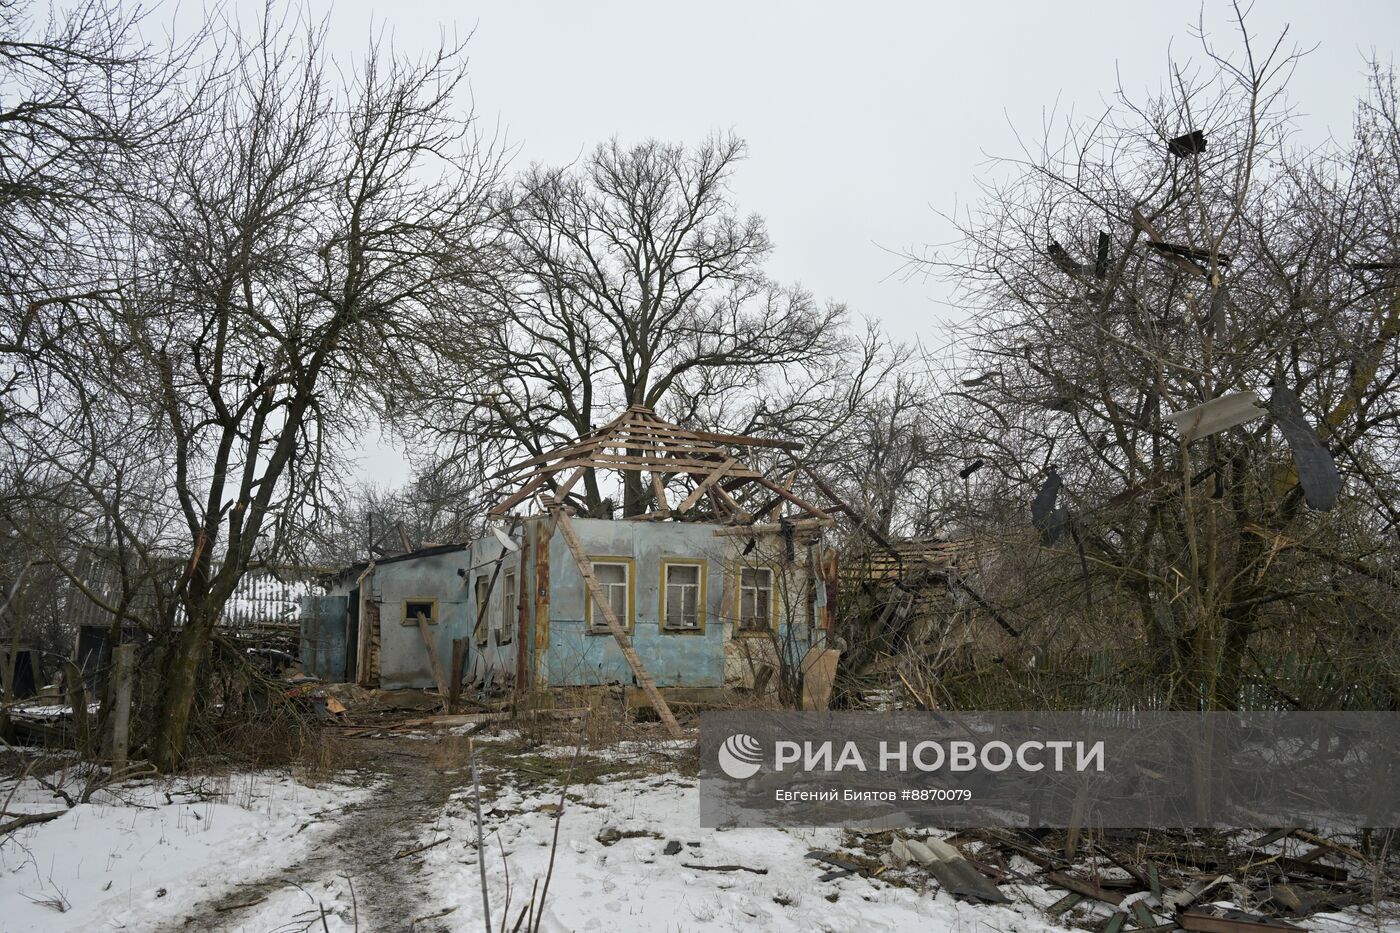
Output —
(403, 661)
(571, 655)
(577, 657)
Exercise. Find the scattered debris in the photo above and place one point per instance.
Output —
(1317, 471)
(1049, 520)
(1216, 415)
(1188, 144)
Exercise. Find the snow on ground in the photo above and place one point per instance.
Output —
(147, 851)
(633, 885)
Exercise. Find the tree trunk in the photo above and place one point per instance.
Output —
(635, 496)
(177, 699)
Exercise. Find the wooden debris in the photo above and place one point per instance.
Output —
(1230, 921)
(405, 853)
(755, 871)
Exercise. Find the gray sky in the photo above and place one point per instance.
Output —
(861, 120)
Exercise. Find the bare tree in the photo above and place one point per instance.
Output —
(1132, 270)
(273, 266)
(632, 280)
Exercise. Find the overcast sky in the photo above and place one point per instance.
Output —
(861, 120)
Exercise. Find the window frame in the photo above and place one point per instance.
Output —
(481, 633)
(627, 624)
(413, 620)
(742, 631)
(510, 607)
(703, 566)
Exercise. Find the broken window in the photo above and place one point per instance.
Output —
(755, 600)
(481, 619)
(614, 578)
(681, 597)
(413, 608)
(509, 602)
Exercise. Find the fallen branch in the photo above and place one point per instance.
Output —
(29, 819)
(756, 871)
(423, 848)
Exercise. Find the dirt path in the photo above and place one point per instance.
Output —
(416, 783)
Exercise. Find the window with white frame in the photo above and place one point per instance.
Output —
(614, 578)
(509, 602)
(755, 599)
(682, 609)
(481, 620)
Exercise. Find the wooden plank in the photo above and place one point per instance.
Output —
(595, 591)
(78, 705)
(739, 512)
(529, 489)
(522, 611)
(658, 489)
(441, 681)
(363, 671)
(456, 669)
(591, 439)
(1201, 922)
(638, 463)
(543, 532)
(700, 489)
(123, 668)
(861, 521)
(796, 500)
(818, 677)
(568, 484)
(1080, 886)
(772, 528)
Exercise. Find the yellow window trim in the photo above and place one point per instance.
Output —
(432, 617)
(704, 566)
(631, 595)
(773, 601)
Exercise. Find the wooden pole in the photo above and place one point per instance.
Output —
(77, 703)
(365, 636)
(459, 662)
(595, 591)
(428, 645)
(123, 668)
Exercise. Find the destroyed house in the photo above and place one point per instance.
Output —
(718, 582)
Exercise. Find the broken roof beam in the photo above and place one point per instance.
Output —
(795, 499)
(602, 604)
(859, 518)
(745, 440)
(700, 488)
(798, 525)
(658, 489)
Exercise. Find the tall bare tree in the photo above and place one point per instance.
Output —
(633, 280)
(1131, 270)
(270, 265)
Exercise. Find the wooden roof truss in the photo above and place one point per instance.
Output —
(682, 468)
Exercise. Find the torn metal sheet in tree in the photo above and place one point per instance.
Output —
(1188, 144)
(1317, 471)
(1216, 415)
(1049, 520)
